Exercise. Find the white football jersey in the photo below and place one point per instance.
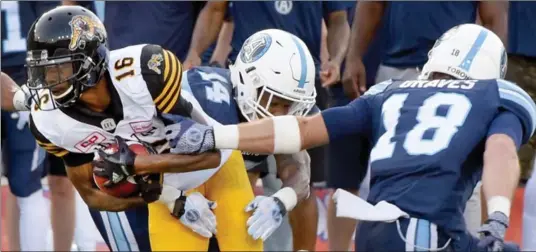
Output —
(144, 81)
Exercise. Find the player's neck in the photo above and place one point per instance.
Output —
(97, 98)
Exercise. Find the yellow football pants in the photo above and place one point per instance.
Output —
(231, 190)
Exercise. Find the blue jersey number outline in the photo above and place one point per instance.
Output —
(413, 142)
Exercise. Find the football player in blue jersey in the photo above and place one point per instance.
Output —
(259, 85)
(434, 138)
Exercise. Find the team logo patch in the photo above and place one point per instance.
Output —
(194, 136)
(108, 124)
(192, 216)
(87, 143)
(141, 126)
(255, 47)
(83, 30)
(283, 7)
(154, 63)
(446, 36)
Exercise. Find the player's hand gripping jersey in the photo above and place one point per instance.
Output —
(433, 129)
(144, 81)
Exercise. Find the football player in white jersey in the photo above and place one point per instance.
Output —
(86, 97)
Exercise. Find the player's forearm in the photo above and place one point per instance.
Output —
(101, 201)
(367, 20)
(173, 163)
(276, 135)
(494, 16)
(223, 47)
(292, 175)
(207, 28)
(68, 2)
(338, 35)
(13, 98)
(501, 172)
(82, 176)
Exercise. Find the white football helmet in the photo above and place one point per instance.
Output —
(278, 63)
(467, 51)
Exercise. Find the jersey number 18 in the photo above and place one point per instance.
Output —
(413, 141)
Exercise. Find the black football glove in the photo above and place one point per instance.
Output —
(150, 189)
(116, 166)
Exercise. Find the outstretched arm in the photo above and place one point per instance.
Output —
(290, 134)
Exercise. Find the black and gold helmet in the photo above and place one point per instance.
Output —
(67, 54)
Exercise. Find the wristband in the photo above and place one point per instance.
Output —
(226, 136)
(168, 196)
(499, 204)
(287, 136)
(288, 197)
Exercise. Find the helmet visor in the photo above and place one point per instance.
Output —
(53, 74)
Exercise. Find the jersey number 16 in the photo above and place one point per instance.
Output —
(413, 141)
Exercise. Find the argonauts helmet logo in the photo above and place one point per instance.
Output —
(84, 28)
(255, 47)
(446, 36)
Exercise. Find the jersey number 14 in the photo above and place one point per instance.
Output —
(413, 141)
(216, 92)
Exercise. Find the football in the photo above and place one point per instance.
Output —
(128, 187)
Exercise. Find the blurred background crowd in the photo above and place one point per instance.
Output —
(354, 46)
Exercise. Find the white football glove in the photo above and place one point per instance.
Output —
(22, 99)
(23, 118)
(198, 215)
(266, 218)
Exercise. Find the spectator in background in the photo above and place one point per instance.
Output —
(218, 53)
(413, 28)
(522, 70)
(304, 20)
(348, 157)
(168, 24)
(24, 161)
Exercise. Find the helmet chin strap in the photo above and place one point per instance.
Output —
(66, 98)
(64, 93)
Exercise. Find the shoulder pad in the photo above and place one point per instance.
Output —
(378, 88)
(516, 100)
